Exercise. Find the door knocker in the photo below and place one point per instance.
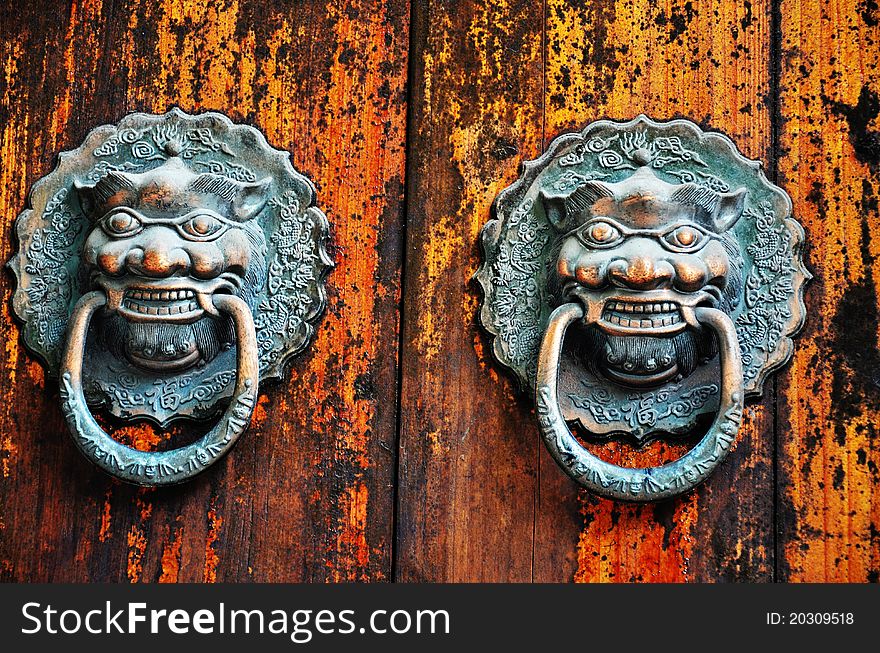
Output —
(168, 266)
(642, 279)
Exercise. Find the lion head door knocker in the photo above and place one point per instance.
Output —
(643, 278)
(167, 267)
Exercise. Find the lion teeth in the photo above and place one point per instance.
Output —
(160, 295)
(185, 302)
(633, 314)
(642, 307)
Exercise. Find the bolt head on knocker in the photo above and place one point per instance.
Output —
(681, 268)
(162, 262)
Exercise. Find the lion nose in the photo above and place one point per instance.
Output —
(157, 258)
(640, 273)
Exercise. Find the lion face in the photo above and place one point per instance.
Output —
(640, 255)
(162, 244)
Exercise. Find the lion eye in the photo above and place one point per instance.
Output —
(685, 238)
(121, 224)
(600, 234)
(202, 226)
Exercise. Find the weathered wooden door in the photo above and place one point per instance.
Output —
(397, 449)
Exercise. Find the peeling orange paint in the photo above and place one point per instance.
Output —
(351, 539)
(144, 504)
(260, 412)
(435, 441)
(626, 543)
(171, 558)
(104, 532)
(829, 398)
(8, 451)
(37, 374)
(215, 523)
(11, 349)
(137, 545)
(142, 436)
(477, 87)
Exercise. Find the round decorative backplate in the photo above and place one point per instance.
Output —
(287, 236)
(521, 242)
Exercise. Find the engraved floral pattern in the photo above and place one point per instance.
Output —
(643, 411)
(167, 394)
(47, 254)
(151, 143)
(618, 152)
(701, 178)
(517, 298)
(768, 290)
(231, 170)
(292, 272)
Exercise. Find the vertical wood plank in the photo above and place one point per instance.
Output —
(305, 495)
(467, 478)
(479, 497)
(830, 399)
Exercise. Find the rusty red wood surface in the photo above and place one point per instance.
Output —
(305, 495)
(410, 118)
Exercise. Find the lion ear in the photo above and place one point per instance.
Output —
(86, 196)
(251, 198)
(92, 199)
(729, 209)
(724, 209)
(563, 207)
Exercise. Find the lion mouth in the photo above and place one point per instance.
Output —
(173, 300)
(160, 305)
(642, 315)
(646, 313)
(642, 338)
(166, 325)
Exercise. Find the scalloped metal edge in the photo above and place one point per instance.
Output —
(276, 371)
(783, 352)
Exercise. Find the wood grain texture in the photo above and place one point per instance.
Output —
(468, 452)
(829, 417)
(305, 495)
(479, 497)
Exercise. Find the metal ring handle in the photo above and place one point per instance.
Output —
(639, 484)
(166, 467)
